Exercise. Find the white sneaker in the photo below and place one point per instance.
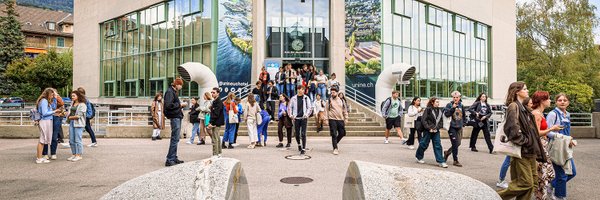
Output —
(386, 141)
(77, 158)
(93, 145)
(70, 158)
(336, 152)
(420, 161)
(41, 161)
(65, 145)
(443, 165)
(235, 144)
(404, 141)
(46, 157)
(53, 157)
(502, 184)
(411, 147)
(188, 142)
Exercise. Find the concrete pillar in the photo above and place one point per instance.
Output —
(596, 123)
(258, 38)
(337, 44)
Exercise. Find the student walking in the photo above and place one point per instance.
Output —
(77, 122)
(300, 109)
(502, 183)
(391, 110)
(337, 113)
(284, 121)
(250, 116)
(541, 101)
(481, 113)
(45, 123)
(561, 117)
(521, 130)
(263, 128)
(158, 118)
(456, 112)
(216, 121)
(332, 83)
(230, 105)
(173, 111)
(194, 120)
(271, 96)
(240, 113)
(319, 112)
(91, 112)
(312, 88)
(290, 80)
(415, 110)
(322, 85)
(204, 118)
(280, 80)
(258, 92)
(432, 122)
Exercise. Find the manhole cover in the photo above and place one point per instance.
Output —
(297, 157)
(296, 180)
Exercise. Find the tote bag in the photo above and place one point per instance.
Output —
(447, 121)
(233, 118)
(259, 118)
(409, 122)
(503, 146)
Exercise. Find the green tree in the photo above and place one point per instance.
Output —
(555, 45)
(12, 43)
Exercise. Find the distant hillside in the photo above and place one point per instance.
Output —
(64, 5)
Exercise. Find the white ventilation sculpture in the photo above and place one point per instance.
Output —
(199, 73)
(397, 73)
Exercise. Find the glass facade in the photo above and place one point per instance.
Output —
(141, 50)
(449, 51)
(298, 29)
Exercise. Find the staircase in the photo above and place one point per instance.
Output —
(359, 124)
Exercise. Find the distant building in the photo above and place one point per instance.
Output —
(45, 29)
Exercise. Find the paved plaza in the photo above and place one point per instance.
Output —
(115, 161)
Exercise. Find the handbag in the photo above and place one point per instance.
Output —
(259, 118)
(206, 119)
(419, 125)
(233, 118)
(447, 121)
(503, 146)
(409, 122)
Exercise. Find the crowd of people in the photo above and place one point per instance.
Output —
(51, 110)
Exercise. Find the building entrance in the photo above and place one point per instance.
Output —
(319, 64)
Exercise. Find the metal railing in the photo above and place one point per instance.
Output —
(241, 92)
(361, 98)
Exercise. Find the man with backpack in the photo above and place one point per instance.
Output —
(173, 112)
(337, 113)
(89, 115)
(456, 112)
(300, 110)
(392, 111)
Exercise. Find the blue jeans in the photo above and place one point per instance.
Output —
(56, 129)
(195, 131)
(229, 134)
(437, 146)
(262, 131)
(280, 88)
(175, 134)
(504, 168)
(75, 139)
(560, 180)
(322, 90)
(88, 128)
(291, 90)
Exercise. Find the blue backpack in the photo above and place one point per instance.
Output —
(35, 115)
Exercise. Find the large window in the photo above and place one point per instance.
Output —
(141, 50)
(297, 29)
(449, 51)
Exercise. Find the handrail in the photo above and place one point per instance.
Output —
(361, 98)
(241, 92)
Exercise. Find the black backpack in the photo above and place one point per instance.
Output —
(383, 103)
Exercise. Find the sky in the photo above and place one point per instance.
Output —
(597, 29)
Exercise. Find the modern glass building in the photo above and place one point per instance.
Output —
(136, 46)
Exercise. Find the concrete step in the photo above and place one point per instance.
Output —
(273, 134)
(314, 128)
(313, 123)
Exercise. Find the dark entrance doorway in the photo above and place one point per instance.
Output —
(297, 64)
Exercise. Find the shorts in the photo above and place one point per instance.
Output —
(45, 131)
(392, 123)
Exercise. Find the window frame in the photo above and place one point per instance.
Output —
(60, 39)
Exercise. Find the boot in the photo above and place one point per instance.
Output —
(230, 146)
(223, 145)
(446, 154)
(201, 142)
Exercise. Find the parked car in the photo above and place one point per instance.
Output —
(15, 102)
(2, 100)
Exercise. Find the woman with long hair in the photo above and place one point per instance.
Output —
(250, 111)
(541, 101)
(520, 129)
(204, 117)
(284, 121)
(45, 124)
(319, 112)
(158, 118)
(229, 134)
(415, 110)
(561, 117)
(432, 122)
(76, 122)
(194, 113)
(481, 113)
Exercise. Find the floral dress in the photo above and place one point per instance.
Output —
(545, 170)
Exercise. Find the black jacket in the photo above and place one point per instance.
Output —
(172, 104)
(476, 108)
(520, 128)
(429, 119)
(216, 113)
(274, 93)
(194, 114)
